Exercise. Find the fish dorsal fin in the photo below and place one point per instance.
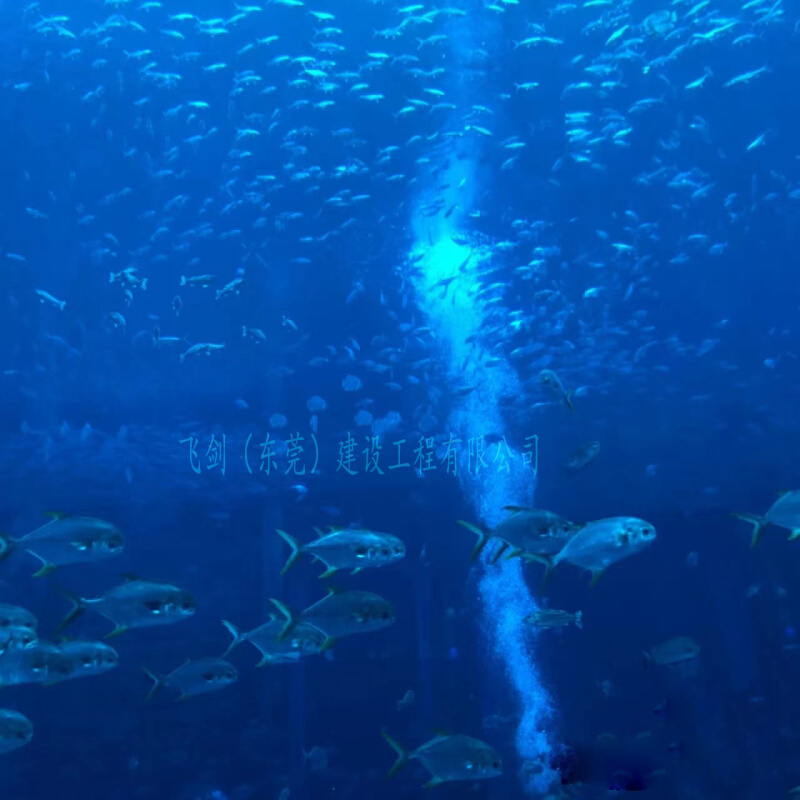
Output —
(516, 509)
(55, 514)
(335, 528)
(129, 577)
(333, 590)
(320, 533)
(441, 732)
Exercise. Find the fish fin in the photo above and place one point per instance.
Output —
(117, 630)
(483, 538)
(568, 400)
(55, 514)
(332, 589)
(264, 661)
(328, 572)
(158, 684)
(514, 554)
(515, 509)
(327, 644)
(46, 569)
(596, 575)
(646, 659)
(549, 569)
(289, 615)
(320, 533)
(296, 550)
(237, 636)
(7, 544)
(78, 607)
(579, 619)
(499, 552)
(758, 523)
(357, 570)
(129, 577)
(794, 534)
(433, 782)
(402, 755)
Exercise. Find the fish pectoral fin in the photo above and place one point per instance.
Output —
(514, 554)
(515, 509)
(357, 570)
(46, 569)
(327, 644)
(596, 575)
(498, 553)
(328, 572)
(433, 782)
(794, 534)
(55, 514)
(483, 538)
(758, 523)
(117, 631)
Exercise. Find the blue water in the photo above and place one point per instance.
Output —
(646, 253)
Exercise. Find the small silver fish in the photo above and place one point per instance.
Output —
(136, 604)
(450, 758)
(16, 730)
(69, 540)
(552, 618)
(349, 548)
(194, 677)
(305, 640)
(341, 614)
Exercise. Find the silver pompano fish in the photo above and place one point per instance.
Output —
(16, 730)
(16, 617)
(673, 651)
(42, 662)
(195, 676)
(532, 533)
(68, 540)
(553, 618)
(582, 456)
(348, 548)
(552, 383)
(14, 637)
(605, 541)
(87, 658)
(450, 758)
(136, 604)
(341, 614)
(305, 640)
(784, 512)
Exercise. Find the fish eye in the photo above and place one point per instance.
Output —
(647, 532)
(385, 615)
(495, 764)
(385, 551)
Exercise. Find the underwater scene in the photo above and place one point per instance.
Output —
(399, 399)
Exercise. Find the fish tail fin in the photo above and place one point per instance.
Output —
(498, 553)
(158, 684)
(568, 400)
(78, 607)
(483, 538)
(183, 280)
(579, 619)
(111, 277)
(596, 575)
(45, 569)
(6, 545)
(402, 755)
(237, 636)
(297, 550)
(646, 659)
(291, 618)
(758, 523)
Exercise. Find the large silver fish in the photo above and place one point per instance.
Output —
(605, 541)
